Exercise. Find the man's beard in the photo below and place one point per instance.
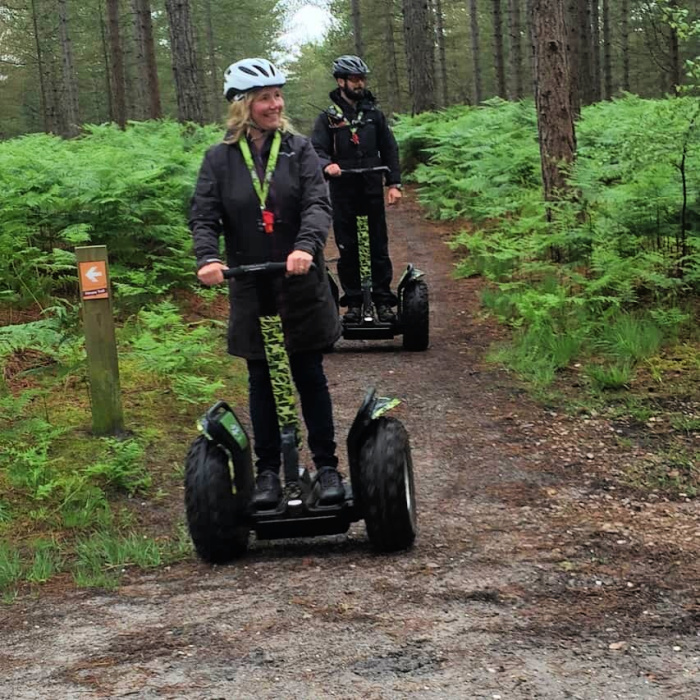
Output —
(354, 95)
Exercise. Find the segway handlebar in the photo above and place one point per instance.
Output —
(258, 268)
(360, 171)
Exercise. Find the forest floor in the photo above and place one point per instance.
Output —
(540, 569)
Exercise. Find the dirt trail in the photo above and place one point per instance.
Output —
(533, 575)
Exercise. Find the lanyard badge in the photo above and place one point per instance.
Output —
(262, 187)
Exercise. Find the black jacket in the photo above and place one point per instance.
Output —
(225, 202)
(332, 137)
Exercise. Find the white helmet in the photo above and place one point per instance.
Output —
(250, 74)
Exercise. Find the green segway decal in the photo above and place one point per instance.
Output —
(229, 422)
(383, 405)
(280, 373)
(363, 248)
(233, 427)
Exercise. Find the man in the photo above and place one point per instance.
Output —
(353, 133)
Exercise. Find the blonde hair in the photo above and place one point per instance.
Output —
(238, 119)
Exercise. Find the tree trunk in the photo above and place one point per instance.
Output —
(70, 114)
(586, 53)
(49, 126)
(184, 61)
(555, 121)
(625, 41)
(138, 89)
(149, 54)
(214, 77)
(116, 63)
(440, 31)
(394, 90)
(607, 53)
(105, 58)
(476, 50)
(595, 44)
(498, 49)
(516, 54)
(574, 47)
(675, 57)
(357, 28)
(419, 54)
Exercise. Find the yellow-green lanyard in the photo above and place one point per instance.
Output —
(262, 188)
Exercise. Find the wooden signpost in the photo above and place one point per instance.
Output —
(100, 340)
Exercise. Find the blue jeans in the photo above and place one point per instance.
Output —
(311, 383)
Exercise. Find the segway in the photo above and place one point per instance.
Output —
(219, 478)
(413, 317)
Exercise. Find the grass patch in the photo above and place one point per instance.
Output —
(97, 506)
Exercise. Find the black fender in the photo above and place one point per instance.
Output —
(409, 277)
(370, 410)
(221, 426)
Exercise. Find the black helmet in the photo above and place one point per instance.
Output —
(349, 65)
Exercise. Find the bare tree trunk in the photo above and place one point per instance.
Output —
(476, 50)
(625, 40)
(555, 120)
(149, 54)
(595, 43)
(586, 53)
(49, 126)
(138, 89)
(105, 57)
(184, 61)
(516, 54)
(70, 113)
(116, 63)
(357, 28)
(675, 58)
(440, 31)
(574, 41)
(419, 54)
(394, 89)
(607, 53)
(498, 49)
(214, 78)
(204, 97)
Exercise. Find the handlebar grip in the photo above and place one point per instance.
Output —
(359, 171)
(257, 268)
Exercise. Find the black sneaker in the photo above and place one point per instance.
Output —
(268, 491)
(353, 314)
(331, 487)
(385, 314)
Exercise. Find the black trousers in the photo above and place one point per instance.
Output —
(348, 203)
(311, 383)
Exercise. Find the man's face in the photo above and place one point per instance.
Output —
(353, 85)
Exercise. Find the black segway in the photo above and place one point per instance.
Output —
(219, 478)
(413, 317)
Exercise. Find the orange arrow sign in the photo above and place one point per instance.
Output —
(93, 280)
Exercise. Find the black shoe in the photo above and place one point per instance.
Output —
(385, 314)
(268, 491)
(353, 314)
(331, 487)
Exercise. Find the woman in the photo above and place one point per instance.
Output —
(263, 188)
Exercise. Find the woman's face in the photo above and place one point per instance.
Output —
(266, 108)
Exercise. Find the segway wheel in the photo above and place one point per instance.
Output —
(215, 515)
(388, 493)
(415, 317)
